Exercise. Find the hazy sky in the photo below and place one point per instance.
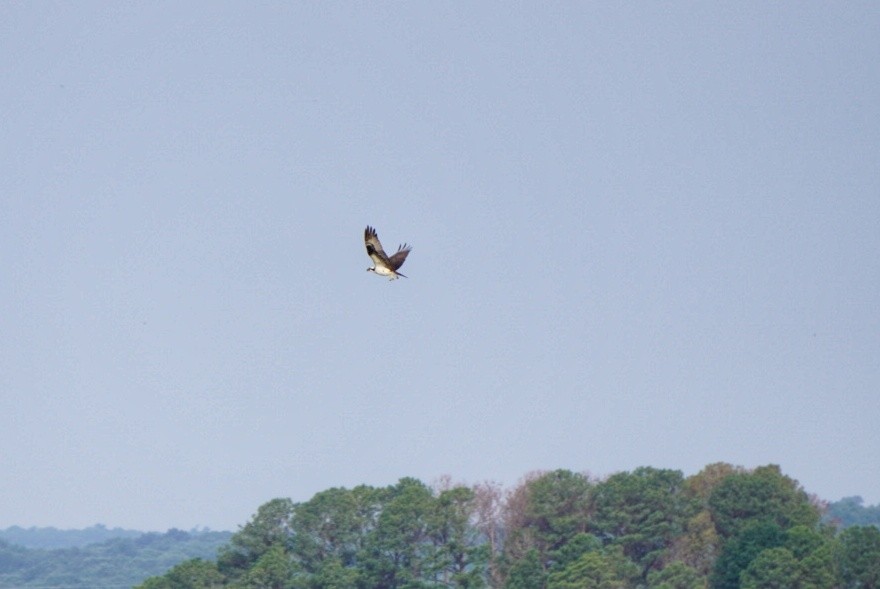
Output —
(645, 234)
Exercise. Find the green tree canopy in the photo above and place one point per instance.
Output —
(273, 570)
(394, 554)
(270, 527)
(459, 556)
(858, 557)
(642, 511)
(649, 528)
(764, 494)
(527, 572)
(676, 575)
(544, 513)
(773, 568)
(606, 569)
(739, 552)
(191, 574)
(334, 525)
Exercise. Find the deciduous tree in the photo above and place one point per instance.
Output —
(699, 545)
(487, 519)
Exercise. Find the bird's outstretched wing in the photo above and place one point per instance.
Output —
(397, 260)
(374, 248)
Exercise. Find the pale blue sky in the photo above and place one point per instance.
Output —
(644, 234)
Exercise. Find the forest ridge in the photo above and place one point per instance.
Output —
(726, 527)
(96, 557)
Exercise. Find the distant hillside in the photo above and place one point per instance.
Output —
(49, 538)
(850, 511)
(117, 562)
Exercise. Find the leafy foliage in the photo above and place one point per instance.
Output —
(332, 526)
(762, 495)
(774, 568)
(527, 572)
(642, 512)
(605, 569)
(676, 576)
(269, 527)
(543, 514)
(858, 557)
(726, 527)
(191, 574)
(740, 551)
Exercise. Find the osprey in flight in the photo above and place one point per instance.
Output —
(382, 264)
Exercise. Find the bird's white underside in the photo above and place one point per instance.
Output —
(382, 271)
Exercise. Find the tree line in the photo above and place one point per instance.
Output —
(724, 528)
(851, 511)
(122, 561)
(50, 538)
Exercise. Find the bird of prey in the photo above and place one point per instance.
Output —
(382, 264)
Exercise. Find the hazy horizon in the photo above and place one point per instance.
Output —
(235, 528)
